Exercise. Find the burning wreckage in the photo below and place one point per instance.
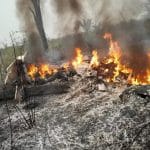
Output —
(90, 87)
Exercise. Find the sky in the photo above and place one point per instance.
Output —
(9, 21)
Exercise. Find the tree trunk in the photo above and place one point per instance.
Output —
(39, 22)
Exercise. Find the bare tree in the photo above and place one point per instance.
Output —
(36, 11)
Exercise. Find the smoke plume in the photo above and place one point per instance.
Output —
(69, 12)
(123, 18)
(115, 11)
(35, 48)
(103, 11)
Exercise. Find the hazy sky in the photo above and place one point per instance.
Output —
(9, 21)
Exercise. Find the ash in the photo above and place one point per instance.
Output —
(88, 117)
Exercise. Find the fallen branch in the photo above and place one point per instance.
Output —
(31, 91)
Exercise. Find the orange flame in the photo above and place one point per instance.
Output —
(46, 69)
(115, 54)
(78, 58)
(32, 70)
(112, 66)
(42, 70)
(140, 79)
(95, 59)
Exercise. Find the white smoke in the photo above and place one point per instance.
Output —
(115, 11)
(101, 12)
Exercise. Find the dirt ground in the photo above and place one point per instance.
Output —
(88, 117)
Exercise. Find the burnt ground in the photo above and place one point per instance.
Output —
(85, 118)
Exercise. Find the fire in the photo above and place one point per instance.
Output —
(77, 61)
(114, 48)
(46, 69)
(148, 74)
(114, 55)
(140, 79)
(95, 60)
(32, 70)
(109, 68)
(41, 70)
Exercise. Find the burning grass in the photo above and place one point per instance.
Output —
(112, 68)
(90, 115)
